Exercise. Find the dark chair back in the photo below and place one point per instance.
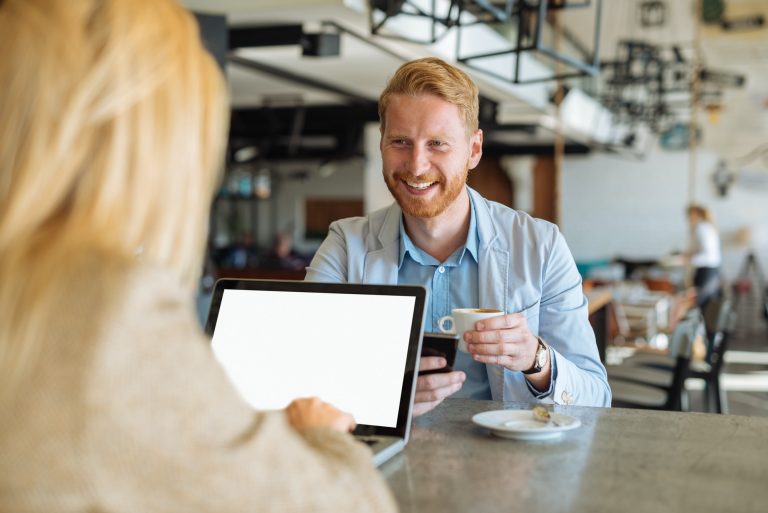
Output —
(638, 392)
(719, 332)
(683, 338)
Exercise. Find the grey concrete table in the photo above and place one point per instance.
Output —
(619, 460)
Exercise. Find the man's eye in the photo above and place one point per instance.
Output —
(437, 143)
(399, 142)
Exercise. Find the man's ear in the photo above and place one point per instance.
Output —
(475, 149)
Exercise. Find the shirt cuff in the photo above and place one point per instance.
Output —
(552, 377)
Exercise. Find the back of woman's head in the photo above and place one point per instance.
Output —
(112, 126)
(113, 119)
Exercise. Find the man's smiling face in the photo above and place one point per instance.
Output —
(426, 153)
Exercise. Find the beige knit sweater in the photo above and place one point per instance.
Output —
(132, 414)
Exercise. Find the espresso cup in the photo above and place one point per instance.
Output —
(464, 319)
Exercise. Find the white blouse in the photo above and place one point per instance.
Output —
(705, 249)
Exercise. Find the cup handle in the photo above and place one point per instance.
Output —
(443, 329)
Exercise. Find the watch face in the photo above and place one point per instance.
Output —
(541, 356)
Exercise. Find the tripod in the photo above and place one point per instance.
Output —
(750, 295)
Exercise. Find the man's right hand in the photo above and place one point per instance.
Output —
(312, 412)
(433, 388)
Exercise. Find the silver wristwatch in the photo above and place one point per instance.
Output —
(540, 360)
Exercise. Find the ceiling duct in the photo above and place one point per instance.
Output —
(744, 23)
(722, 78)
(313, 44)
(214, 33)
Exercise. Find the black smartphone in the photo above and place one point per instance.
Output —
(440, 344)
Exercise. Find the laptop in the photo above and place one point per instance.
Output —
(355, 346)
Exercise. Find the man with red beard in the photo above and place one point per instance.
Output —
(468, 252)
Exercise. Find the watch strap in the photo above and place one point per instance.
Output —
(536, 367)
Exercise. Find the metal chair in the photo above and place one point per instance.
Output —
(667, 390)
(654, 369)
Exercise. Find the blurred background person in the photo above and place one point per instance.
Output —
(704, 254)
(111, 141)
(283, 255)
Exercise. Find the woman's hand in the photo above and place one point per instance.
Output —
(312, 412)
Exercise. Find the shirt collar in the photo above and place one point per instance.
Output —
(471, 245)
(407, 246)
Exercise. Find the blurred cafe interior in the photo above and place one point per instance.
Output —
(638, 129)
(607, 118)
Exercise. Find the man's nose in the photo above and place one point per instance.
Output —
(419, 161)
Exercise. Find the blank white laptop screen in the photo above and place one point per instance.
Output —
(348, 349)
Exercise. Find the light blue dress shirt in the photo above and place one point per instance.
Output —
(524, 265)
(451, 284)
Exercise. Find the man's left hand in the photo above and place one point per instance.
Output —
(506, 340)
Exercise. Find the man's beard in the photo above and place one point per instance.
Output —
(424, 207)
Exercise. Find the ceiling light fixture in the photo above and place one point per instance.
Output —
(538, 45)
(528, 40)
(430, 18)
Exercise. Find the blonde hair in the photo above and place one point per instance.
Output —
(111, 139)
(431, 75)
(701, 211)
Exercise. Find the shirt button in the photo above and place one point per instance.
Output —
(441, 269)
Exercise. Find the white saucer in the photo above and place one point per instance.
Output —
(521, 424)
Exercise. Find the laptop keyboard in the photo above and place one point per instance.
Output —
(369, 441)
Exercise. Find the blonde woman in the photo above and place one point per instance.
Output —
(111, 135)
(704, 254)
